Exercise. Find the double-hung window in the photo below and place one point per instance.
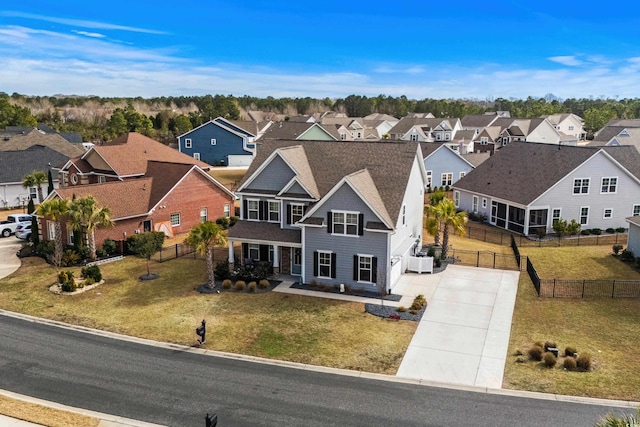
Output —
(297, 212)
(581, 186)
(254, 251)
(187, 143)
(609, 185)
(253, 209)
(324, 264)
(447, 179)
(227, 210)
(274, 211)
(584, 215)
(213, 141)
(203, 215)
(345, 223)
(365, 268)
(555, 215)
(429, 178)
(608, 213)
(475, 204)
(636, 210)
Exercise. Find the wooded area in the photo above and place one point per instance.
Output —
(163, 118)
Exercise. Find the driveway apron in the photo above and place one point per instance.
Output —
(463, 335)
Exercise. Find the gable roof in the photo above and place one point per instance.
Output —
(509, 173)
(128, 154)
(34, 137)
(142, 194)
(477, 120)
(388, 165)
(606, 133)
(17, 164)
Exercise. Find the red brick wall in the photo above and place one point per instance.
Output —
(192, 194)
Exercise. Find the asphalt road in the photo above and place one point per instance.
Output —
(177, 388)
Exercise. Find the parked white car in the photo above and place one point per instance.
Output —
(8, 227)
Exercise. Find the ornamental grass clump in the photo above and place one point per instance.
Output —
(569, 363)
(263, 284)
(583, 362)
(535, 353)
(226, 284)
(240, 285)
(549, 359)
(252, 286)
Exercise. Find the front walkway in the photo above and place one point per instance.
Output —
(463, 335)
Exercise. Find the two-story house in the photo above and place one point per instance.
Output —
(347, 213)
(444, 166)
(219, 142)
(527, 186)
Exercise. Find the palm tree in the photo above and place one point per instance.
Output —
(55, 210)
(446, 211)
(86, 216)
(35, 179)
(203, 238)
(433, 222)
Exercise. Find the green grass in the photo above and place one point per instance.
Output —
(287, 327)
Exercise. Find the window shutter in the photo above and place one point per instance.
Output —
(374, 269)
(333, 265)
(288, 214)
(261, 215)
(329, 222)
(315, 264)
(245, 212)
(245, 250)
(355, 267)
(360, 224)
(304, 210)
(264, 252)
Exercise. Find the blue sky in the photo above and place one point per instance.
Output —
(421, 49)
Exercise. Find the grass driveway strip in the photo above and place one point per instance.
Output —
(295, 328)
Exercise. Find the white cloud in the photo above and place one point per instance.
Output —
(79, 22)
(569, 60)
(89, 34)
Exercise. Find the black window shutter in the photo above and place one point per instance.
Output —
(288, 214)
(245, 212)
(333, 265)
(374, 269)
(355, 267)
(261, 215)
(304, 209)
(360, 224)
(264, 252)
(245, 250)
(315, 264)
(329, 222)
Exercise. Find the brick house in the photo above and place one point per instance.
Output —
(172, 197)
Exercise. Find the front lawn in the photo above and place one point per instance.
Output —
(280, 326)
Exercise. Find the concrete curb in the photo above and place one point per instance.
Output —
(324, 369)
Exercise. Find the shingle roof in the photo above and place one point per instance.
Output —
(477, 121)
(606, 133)
(250, 230)
(628, 123)
(476, 158)
(17, 164)
(286, 130)
(405, 124)
(388, 163)
(128, 155)
(514, 172)
(54, 141)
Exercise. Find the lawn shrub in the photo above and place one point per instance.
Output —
(596, 231)
(627, 256)
(535, 353)
(92, 272)
(88, 282)
(610, 230)
(70, 257)
(570, 352)
(585, 232)
(62, 276)
(223, 222)
(251, 287)
(431, 251)
(401, 309)
(617, 249)
(620, 230)
(69, 286)
(549, 359)
(101, 253)
(569, 363)
(109, 246)
(226, 284)
(263, 284)
(584, 362)
(222, 270)
(240, 285)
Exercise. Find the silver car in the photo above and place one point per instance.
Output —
(23, 231)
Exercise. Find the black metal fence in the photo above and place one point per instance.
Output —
(174, 251)
(485, 259)
(579, 288)
(504, 238)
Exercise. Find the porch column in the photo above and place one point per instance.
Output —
(276, 257)
(231, 260)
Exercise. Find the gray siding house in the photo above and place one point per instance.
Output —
(443, 165)
(335, 213)
(527, 186)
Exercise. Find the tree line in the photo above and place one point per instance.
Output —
(164, 118)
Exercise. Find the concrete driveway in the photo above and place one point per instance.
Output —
(463, 336)
(9, 262)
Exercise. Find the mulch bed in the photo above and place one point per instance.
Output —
(391, 313)
(204, 289)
